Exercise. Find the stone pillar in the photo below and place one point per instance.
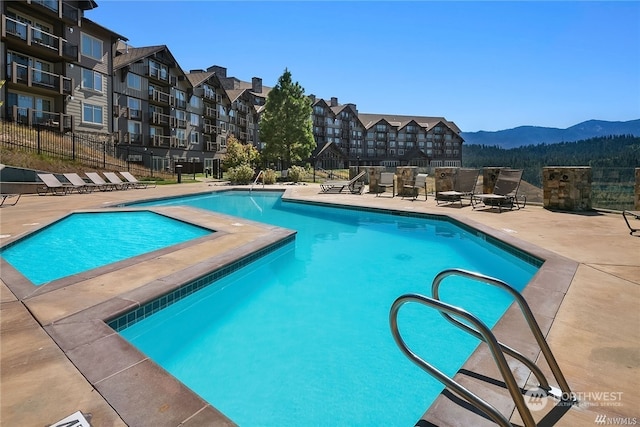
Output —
(374, 176)
(446, 179)
(636, 191)
(405, 175)
(567, 188)
(489, 177)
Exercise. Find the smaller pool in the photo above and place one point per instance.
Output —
(84, 241)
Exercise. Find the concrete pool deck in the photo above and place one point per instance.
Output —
(57, 359)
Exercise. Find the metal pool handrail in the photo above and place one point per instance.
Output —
(488, 337)
(261, 173)
(531, 322)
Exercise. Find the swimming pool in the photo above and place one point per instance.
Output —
(84, 241)
(301, 337)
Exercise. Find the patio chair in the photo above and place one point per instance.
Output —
(387, 179)
(79, 184)
(115, 180)
(52, 185)
(135, 182)
(505, 191)
(5, 196)
(336, 187)
(420, 183)
(634, 214)
(100, 183)
(464, 187)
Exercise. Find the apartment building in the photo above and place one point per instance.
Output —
(58, 66)
(382, 139)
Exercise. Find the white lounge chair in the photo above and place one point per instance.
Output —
(135, 182)
(52, 185)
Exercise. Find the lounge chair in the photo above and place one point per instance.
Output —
(5, 196)
(464, 187)
(52, 185)
(420, 183)
(115, 180)
(634, 214)
(505, 191)
(101, 184)
(335, 187)
(135, 182)
(387, 179)
(79, 184)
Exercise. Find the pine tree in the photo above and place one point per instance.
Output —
(285, 125)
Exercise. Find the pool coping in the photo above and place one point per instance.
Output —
(88, 342)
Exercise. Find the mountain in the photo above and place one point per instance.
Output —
(533, 135)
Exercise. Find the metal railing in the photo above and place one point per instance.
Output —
(498, 349)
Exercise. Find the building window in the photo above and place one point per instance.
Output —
(91, 80)
(134, 81)
(195, 137)
(195, 119)
(91, 47)
(92, 114)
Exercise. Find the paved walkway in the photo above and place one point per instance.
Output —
(56, 359)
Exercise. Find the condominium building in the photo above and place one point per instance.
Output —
(58, 65)
(68, 73)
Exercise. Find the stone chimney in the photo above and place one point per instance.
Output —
(312, 97)
(334, 101)
(221, 72)
(256, 84)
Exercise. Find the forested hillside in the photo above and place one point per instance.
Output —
(621, 151)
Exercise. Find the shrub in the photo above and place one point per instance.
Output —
(269, 176)
(242, 174)
(296, 173)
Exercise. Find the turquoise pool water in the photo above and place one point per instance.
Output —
(83, 241)
(301, 337)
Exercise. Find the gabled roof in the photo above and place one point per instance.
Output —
(199, 77)
(370, 120)
(129, 55)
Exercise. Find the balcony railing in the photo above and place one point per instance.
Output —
(178, 123)
(211, 112)
(210, 128)
(160, 141)
(33, 77)
(160, 97)
(31, 117)
(36, 37)
(132, 138)
(160, 119)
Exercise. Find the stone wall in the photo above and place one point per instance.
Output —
(405, 175)
(445, 179)
(373, 173)
(567, 188)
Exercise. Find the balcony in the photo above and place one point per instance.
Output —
(132, 114)
(160, 141)
(211, 112)
(160, 97)
(47, 43)
(68, 13)
(158, 74)
(46, 119)
(18, 73)
(178, 143)
(178, 123)
(161, 119)
(210, 128)
(132, 138)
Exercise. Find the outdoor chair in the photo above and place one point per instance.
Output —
(336, 187)
(4, 197)
(633, 214)
(505, 191)
(464, 187)
(115, 180)
(413, 189)
(79, 184)
(387, 179)
(135, 182)
(52, 185)
(101, 184)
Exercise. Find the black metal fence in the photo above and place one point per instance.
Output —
(97, 152)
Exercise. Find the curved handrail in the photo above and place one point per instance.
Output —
(261, 173)
(528, 315)
(488, 337)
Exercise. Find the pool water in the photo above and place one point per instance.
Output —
(301, 337)
(83, 241)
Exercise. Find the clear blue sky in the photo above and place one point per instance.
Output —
(483, 65)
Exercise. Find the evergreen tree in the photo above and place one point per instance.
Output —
(285, 125)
